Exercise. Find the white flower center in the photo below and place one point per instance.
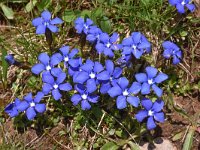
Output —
(32, 104)
(48, 68)
(150, 113)
(111, 78)
(108, 45)
(66, 59)
(183, 3)
(134, 47)
(125, 93)
(85, 26)
(150, 81)
(46, 23)
(84, 96)
(55, 86)
(92, 75)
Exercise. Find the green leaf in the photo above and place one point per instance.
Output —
(177, 136)
(105, 24)
(8, 12)
(86, 13)
(100, 1)
(44, 4)
(68, 16)
(30, 5)
(4, 65)
(133, 146)
(189, 139)
(109, 146)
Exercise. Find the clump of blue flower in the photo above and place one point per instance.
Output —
(181, 4)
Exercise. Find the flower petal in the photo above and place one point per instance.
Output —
(161, 77)
(56, 94)
(40, 108)
(44, 58)
(157, 90)
(117, 72)
(46, 15)
(145, 89)
(99, 47)
(114, 37)
(104, 75)
(158, 106)
(134, 101)
(150, 123)
(37, 68)
(85, 105)
(30, 113)
(121, 102)
(115, 91)
(98, 67)
(80, 77)
(191, 7)
(40, 29)
(109, 66)
(76, 98)
(105, 87)
(93, 98)
(108, 52)
(146, 103)
(28, 97)
(180, 8)
(160, 117)
(37, 21)
(38, 97)
(56, 21)
(74, 62)
(22, 106)
(53, 28)
(65, 87)
(141, 115)
(176, 60)
(56, 71)
(136, 37)
(80, 88)
(46, 88)
(167, 53)
(141, 77)
(47, 78)
(123, 82)
(137, 53)
(91, 85)
(56, 59)
(73, 52)
(135, 88)
(61, 78)
(151, 72)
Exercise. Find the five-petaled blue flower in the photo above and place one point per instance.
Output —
(114, 74)
(94, 34)
(43, 22)
(11, 109)
(84, 97)
(152, 111)
(151, 79)
(172, 50)
(125, 93)
(47, 64)
(107, 44)
(82, 26)
(136, 44)
(180, 5)
(55, 85)
(68, 57)
(91, 72)
(32, 106)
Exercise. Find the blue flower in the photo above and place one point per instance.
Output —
(136, 44)
(90, 72)
(172, 50)
(47, 63)
(151, 79)
(55, 85)
(10, 59)
(73, 70)
(94, 34)
(11, 109)
(43, 22)
(32, 106)
(68, 57)
(83, 26)
(84, 97)
(114, 74)
(125, 93)
(180, 5)
(124, 60)
(152, 111)
(107, 44)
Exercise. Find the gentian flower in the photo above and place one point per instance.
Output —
(150, 79)
(10, 59)
(172, 50)
(91, 72)
(43, 22)
(107, 44)
(125, 93)
(114, 74)
(55, 85)
(73, 70)
(152, 111)
(47, 63)
(82, 26)
(136, 44)
(94, 34)
(181, 4)
(68, 57)
(32, 106)
(124, 60)
(11, 109)
(84, 97)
